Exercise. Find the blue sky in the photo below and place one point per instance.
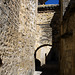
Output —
(52, 2)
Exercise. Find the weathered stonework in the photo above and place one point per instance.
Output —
(20, 36)
(65, 4)
(17, 36)
(43, 33)
(45, 30)
(68, 40)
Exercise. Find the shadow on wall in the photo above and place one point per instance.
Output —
(46, 35)
(52, 59)
(52, 64)
(1, 62)
(55, 24)
(37, 65)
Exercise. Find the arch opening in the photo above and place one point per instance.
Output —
(40, 56)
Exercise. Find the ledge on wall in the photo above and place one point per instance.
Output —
(67, 34)
(48, 7)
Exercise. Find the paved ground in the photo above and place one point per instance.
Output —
(37, 72)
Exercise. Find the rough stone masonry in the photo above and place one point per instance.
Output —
(17, 36)
(44, 31)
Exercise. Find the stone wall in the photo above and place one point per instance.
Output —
(68, 48)
(17, 37)
(43, 33)
(65, 4)
(68, 43)
(48, 30)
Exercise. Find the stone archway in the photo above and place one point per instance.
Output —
(38, 63)
(40, 47)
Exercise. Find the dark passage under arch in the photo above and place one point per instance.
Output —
(38, 66)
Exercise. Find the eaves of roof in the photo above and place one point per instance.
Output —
(48, 7)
